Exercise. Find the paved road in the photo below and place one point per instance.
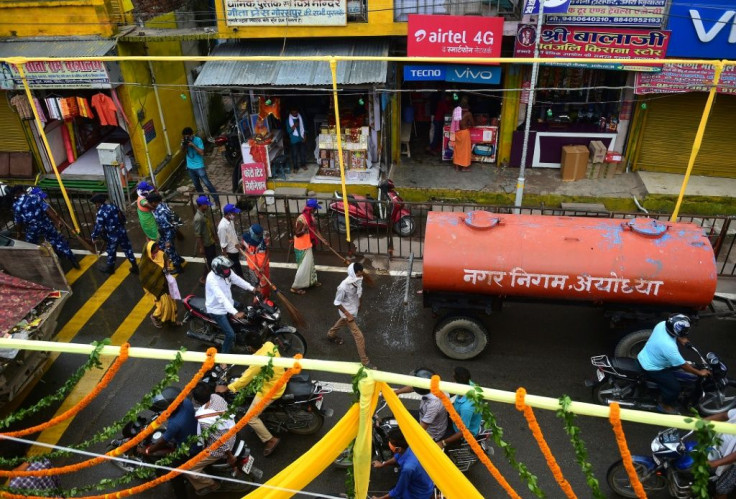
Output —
(540, 347)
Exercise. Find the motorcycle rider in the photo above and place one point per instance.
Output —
(265, 436)
(414, 482)
(219, 297)
(432, 414)
(725, 456)
(660, 358)
(465, 407)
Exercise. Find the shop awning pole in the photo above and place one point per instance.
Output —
(42, 133)
(718, 67)
(333, 70)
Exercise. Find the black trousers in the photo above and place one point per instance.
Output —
(235, 258)
(669, 386)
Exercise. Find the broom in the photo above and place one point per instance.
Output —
(366, 276)
(84, 243)
(296, 316)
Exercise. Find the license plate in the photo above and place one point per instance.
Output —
(599, 374)
(248, 465)
(318, 404)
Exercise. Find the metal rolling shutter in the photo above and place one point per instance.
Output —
(13, 135)
(669, 132)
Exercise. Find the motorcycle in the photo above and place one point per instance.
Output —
(233, 153)
(298, 411)
(462, 455)
(623, 380)
(668, 468)
(366, 212)
(262, 318)
(244, 468)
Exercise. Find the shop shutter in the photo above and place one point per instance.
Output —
(13, 136)
(669, 132)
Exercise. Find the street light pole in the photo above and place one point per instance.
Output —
(529, 107)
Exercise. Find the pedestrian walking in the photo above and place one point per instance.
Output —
(229, 243)
(153, 277)
(305, 237)
(168, 223)
(145, 212)
(256, 247)
(297, 138)
(204, 234)
(110, 221)
(193, 147)
(347, 301)
(32, 214)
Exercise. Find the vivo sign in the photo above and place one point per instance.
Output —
(708, 31)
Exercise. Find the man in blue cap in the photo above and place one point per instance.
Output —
(168, 223)
(256, 247)
(229, 242)
(110, 221)
(204, 234)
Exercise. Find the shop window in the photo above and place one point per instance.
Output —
(357, 11)
(511, 9)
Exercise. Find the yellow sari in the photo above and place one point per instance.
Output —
(153, 280)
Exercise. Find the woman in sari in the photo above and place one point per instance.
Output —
(305, 236)
(153, 279)
(463, 147)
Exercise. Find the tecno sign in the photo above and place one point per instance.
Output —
(459, 73)
(454, 36)
(703, 31)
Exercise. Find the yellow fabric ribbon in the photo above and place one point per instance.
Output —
(362, 452)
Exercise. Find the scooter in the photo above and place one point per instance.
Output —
(232, 153)
(263, 319)
(366, 212)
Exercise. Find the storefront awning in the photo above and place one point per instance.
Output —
(45, 47)
(291, 73)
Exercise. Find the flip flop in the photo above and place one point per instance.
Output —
(157, 323)
(298, 291)
(317, 284)
(336, 340)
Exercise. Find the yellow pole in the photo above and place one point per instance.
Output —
(718, 66)
(333, 69)
(39, 125)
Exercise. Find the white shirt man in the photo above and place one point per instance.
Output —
(229, 242)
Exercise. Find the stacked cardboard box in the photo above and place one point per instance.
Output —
(574, 162)
(597, 151)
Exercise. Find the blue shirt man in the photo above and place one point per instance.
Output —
(465, 407)
(193, 148)
(110, 221)
(182, 424)
(660, 351)
(414, 482)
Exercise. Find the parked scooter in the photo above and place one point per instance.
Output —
(623, 380)
(668, 468)
(461, 455)
(299, 410)
(244, 468)
(233, 153)
(366, 212)
(262, 318)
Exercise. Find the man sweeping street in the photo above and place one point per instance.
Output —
(110, 221)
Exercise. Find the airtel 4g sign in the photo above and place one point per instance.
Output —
(707, 31)
(454, 36)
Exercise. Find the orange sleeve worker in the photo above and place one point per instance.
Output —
(256, 247)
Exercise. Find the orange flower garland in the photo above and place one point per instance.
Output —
(531, 420)
(202, 454)
(615, 418)
(109, 375)
(482, 456)
(206, 366)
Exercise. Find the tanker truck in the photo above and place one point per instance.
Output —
(637, 270)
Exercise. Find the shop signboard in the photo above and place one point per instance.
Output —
(629, 13)
(704, 29)
(550, 6)
(424, 72)
(58, 74)
(678, 78)
(457, 73)
(454, 36)
(286, 12)
(254, 178)
(594, 43)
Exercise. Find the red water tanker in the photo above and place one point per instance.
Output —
(475, 260)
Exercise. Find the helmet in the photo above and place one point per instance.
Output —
(422, 372)
(222, 266)
(164, 399)
(678, 325)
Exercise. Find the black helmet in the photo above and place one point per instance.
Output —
(222, 266)
(422, 372)
(164, 399)
(678, 325)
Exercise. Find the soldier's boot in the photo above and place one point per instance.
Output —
(133, 267)
(107, 269)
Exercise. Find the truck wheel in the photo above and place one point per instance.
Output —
(461, 338)
(631, 344)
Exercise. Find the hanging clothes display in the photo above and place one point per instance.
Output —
(52, 104)
(39, 110)
(85, 111)
(21, 105)
(105, 108)
(115, 99)
(69, 108)
(68, 146)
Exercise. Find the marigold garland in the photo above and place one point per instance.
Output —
(73, 411)
(614, 417)
(435, 388)
(206, 366)
(531, 420)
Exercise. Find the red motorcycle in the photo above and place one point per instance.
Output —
(366, 212)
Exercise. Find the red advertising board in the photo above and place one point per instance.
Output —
(254, 178)
(454, 36)
(676, 78)
(594, 43)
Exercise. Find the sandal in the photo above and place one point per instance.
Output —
(317, 284)
(298, 291)
(336, 340)
(156, 322)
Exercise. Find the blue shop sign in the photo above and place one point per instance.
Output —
(704, 28)
(424, 73)
(550, 6)
(468, 73)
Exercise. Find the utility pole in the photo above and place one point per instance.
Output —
(529, 107)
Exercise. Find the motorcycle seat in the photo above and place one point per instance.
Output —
(198, 304)
(627, 365)
(299, 388)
